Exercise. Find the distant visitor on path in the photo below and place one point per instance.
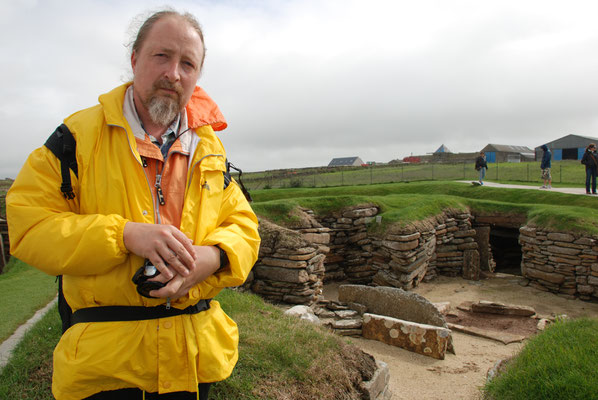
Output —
(545, 167)
(145, 231)
(481, 166)
(590, 160)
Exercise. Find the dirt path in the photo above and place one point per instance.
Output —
(460, 376)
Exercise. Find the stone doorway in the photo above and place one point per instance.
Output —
(506, 250)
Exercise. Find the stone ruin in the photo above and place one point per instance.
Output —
(294, 262)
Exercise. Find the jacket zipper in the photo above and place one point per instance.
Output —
(143, 164)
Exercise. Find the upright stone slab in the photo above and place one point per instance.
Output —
(482, 238)
(428, 340)
(471, 265)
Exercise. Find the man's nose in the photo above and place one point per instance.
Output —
(173, 71)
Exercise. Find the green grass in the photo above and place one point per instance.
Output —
(23, 291)
(404, 203)
(280, 357)
(559, 363)
(279, 352)
(28, 375)
(568, 173)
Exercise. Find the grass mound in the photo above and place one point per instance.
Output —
(402, 204)
(559, 363)
(280, 357)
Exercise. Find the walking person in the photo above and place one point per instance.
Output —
(152, 193)
(545, 166)
(481, 166)
(590, 160)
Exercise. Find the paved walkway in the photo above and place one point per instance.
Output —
(554, 189)
(7, 347)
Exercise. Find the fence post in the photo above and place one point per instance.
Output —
(463, 170)
(342, 178)
(496, 169)
(371, 174)
(402, 178)
(560, 173)
(432, 171)
(528, 172)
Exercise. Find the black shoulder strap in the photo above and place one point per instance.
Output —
(228, 179)
(62, 144)
(64, 309)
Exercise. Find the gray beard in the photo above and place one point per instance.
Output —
(163, 110)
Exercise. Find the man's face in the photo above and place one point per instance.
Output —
(166, 68)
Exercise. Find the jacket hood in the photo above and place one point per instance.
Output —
(544, 147)
(201, 109)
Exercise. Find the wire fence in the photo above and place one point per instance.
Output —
(571, 172)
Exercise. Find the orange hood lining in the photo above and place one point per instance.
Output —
(202, 110)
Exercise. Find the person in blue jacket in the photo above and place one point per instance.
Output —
(545, 167)
(481, 166)
(590, 160)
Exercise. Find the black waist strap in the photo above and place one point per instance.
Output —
(133, 313)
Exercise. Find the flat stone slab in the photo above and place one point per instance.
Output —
(490, 307)
(428, 340)
(502, 337)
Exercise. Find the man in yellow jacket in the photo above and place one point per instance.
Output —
(151, 187)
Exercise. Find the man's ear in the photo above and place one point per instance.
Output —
(133, 60)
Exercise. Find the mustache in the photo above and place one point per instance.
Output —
(165, 84)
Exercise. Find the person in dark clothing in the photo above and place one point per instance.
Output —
(481, 166)
(545, 167)
(590, 160)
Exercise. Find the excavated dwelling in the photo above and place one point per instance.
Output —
(295, 261)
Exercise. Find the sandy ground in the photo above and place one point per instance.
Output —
(460, 376)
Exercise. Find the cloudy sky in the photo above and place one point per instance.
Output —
(303, 81)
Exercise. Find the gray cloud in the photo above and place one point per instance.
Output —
(301, 82)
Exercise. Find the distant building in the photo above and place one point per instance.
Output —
(506, 153)
(443, 149)
(570, 147)
(346, 162)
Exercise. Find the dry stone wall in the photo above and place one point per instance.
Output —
(293, 262)
(289, 269)
(455, 241)
(562, 263)
(449, 248)
(350, 245)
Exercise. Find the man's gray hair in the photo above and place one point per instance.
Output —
(149, 22)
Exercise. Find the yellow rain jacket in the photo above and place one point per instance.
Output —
(82, 239)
